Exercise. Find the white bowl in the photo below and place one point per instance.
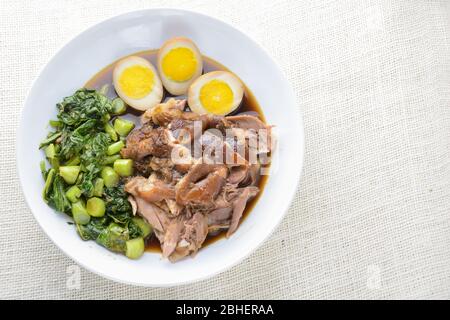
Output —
(104, 43)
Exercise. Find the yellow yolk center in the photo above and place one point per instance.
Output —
(216, 97)
(136, 81)
(179, 64)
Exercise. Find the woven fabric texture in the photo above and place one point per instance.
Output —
(371, 218)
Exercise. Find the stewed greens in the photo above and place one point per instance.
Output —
(84, 178)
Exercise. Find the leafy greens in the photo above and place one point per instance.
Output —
(80, 139)
(117, 226)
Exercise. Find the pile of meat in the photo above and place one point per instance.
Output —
(184, 201)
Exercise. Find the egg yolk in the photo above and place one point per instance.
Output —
(136, 81)
(216, 97)
(179, 64)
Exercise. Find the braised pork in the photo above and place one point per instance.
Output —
(184, 201)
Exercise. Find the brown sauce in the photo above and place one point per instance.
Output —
(249, 104)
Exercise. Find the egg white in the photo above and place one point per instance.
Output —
(152, 98)
(233, 82)
(177, 87)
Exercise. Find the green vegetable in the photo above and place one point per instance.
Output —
(73, 194)
(80, 132)
(52, 136)
(80, 178)
(82, 116)
(72, 142)
(69, 173)
(123, 127)
(50, 151)
(111, 159)
(135, 248)
(117, 205)
(43, 169)
(79, 213)
(92, 230)
(84, 141)
(54, 123)
(57, 197)
(117, 226)
(114, 237)
(115, 148)
(48, 183)
(106, 118)
(83, 106)
(98, 187)
(124, 167)
(74, 161)
(143, 225)
(111, 132)
(119, 107)
(54, 162)
(110, 177)
(96, 207)
(92, 161)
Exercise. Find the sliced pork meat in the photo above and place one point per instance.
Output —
(246, 121)
(253, 174)
(164, 113)
(244, 175)
(143, 166)
(183, 167)
(157, 191)
(148, 141)
(172, 237)
(164, 167)
(170, 172)
(214, 122)
(238, 174)
(201, 184)
(154, 215)
(133, 204)
(160, 164)
(194, 234)
(239, 206)
(184, 130)
(191, 126)
(171, 114)
(133, 140)
(249, 127)
(184, 195)
(159, 143)
(195, 231)
(215, 149)
(151, 189)
(174, 208)
(220, 218)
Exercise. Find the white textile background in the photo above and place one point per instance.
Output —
(371, 218)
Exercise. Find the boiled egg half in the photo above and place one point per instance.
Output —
(137, 82)
(217, 92)
(179, 64)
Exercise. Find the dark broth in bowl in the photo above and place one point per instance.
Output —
(248, 105)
